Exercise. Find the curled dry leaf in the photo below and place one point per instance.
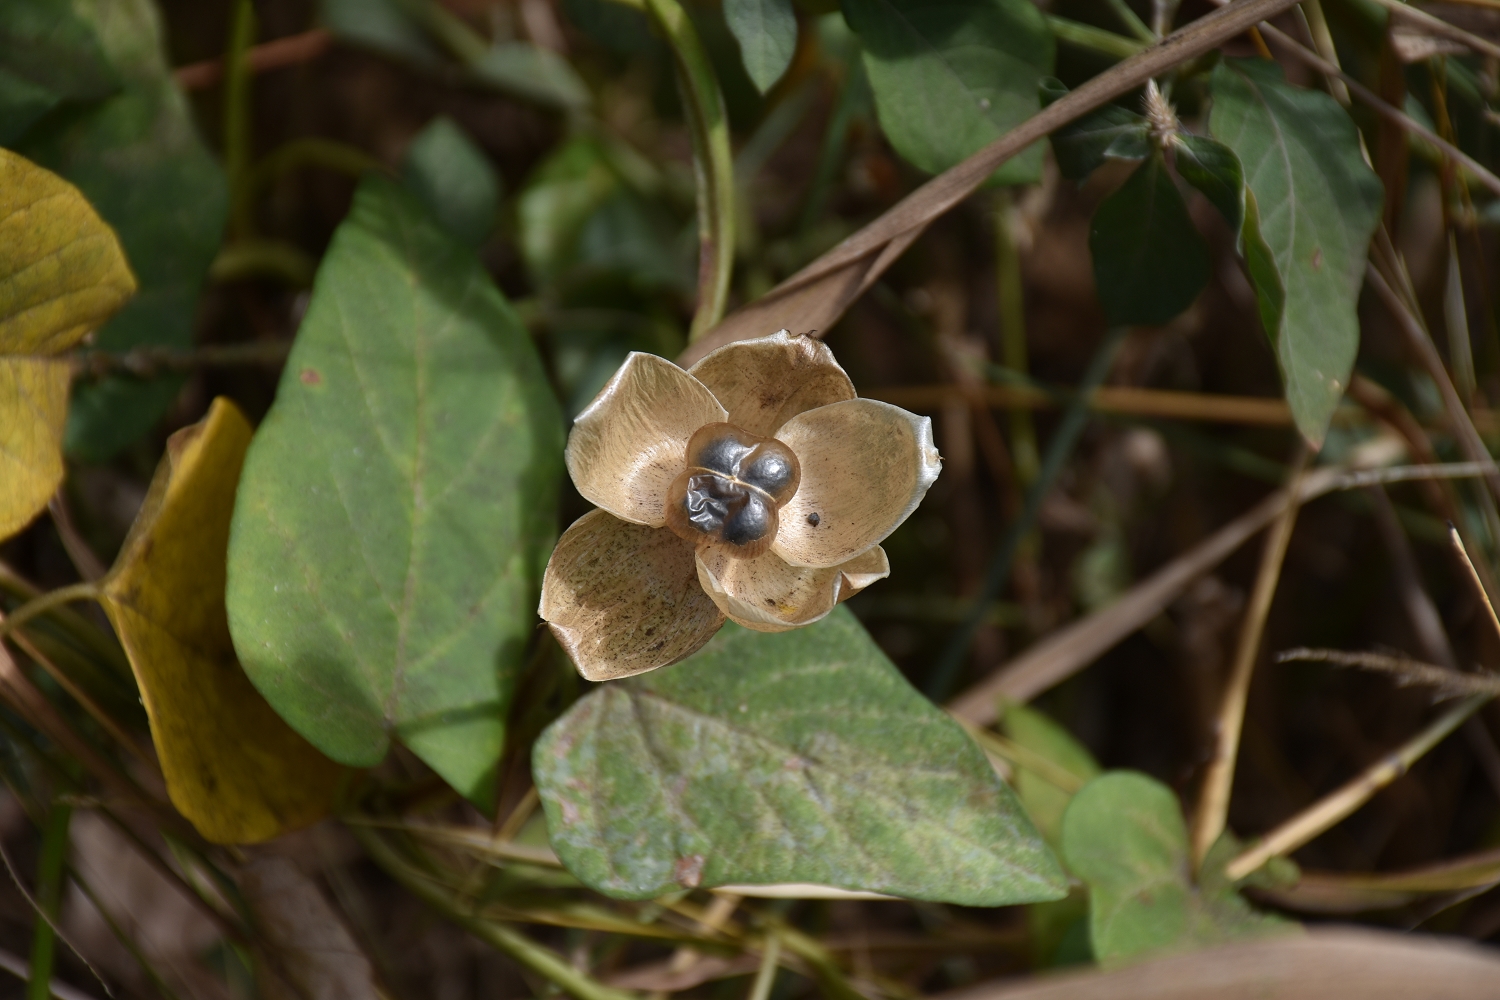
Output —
(62, 274)
(755, 487)
(233, 768)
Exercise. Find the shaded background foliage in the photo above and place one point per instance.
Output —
(589, 230)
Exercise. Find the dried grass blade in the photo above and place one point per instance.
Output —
(1070, 649)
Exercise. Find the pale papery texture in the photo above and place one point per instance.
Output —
(768, 594)
(624, 595)
(624, 598)
(764, 383)
(627, 447)
(866, 465)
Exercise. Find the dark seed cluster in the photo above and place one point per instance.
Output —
(732, 487)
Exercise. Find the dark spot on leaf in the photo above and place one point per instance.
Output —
(688, 872)
(813, 519)
(310, 376)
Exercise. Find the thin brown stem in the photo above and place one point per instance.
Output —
(1213, 803)
(1330, 810)
(266, 56)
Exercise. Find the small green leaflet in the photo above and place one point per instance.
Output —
(398, 503)
(800, 756)
(1212, 168)
(1045, 792)
(1311, 206)
(767, 33)
(453, 178)
(1124, 835)
(1111, 132)
(951, 78)
(1149, 261)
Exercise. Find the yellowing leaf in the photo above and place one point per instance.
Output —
(233, 767)
(62, 274)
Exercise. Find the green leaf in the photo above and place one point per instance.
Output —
(1149, 261)
(1307, 228)
(138, 158)
(1124, 835)
(534, 73)
(1111, 132)
(1044, 792)
(1211, 167)
(800, 756)
(568, 187)
(398, 504)
(48, 55)
(767, 33)
(382, 25)
(454, 179)
(951, 78)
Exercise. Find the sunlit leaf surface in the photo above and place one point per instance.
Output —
(398, 503)
(1124, 835)
(799, 756)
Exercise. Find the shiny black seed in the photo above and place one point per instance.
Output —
(710, 501)
(722, 455)
(750, 523)
(769, 470)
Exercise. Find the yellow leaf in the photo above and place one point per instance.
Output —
(232, 766)
(62, 274)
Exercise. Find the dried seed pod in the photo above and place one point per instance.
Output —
(731, 489)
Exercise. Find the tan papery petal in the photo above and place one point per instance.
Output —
(865, 467)
(624, 598)
(764, 383)
(628, 446)
(768, 594)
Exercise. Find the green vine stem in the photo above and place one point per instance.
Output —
(49, 888)
(527, 952)
(713, 166)
(237, 75)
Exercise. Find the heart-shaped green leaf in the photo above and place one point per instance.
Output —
(138, 159)
(398, 504)
(1124, 835)
(1149, 261)
(1313, 207)
(799, 756)
(950, 78)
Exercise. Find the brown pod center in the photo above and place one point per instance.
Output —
(732, 487)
